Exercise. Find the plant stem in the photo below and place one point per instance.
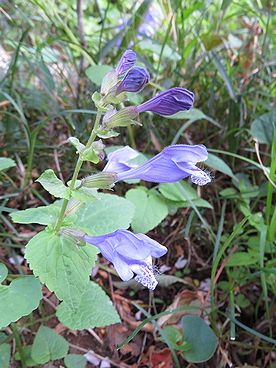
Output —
(18, 344)
(77, 170)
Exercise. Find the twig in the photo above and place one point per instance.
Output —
(119, 365)
(261, 163)
(58, 165)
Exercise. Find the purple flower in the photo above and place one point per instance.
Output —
(174, 163)
(135, 79)
(119, 160)
(130, 253)
(169, 102)
(126, 62)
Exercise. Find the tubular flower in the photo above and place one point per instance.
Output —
(174, 163)
(130, 253)
(120, 160)
(135, 79)
(169, 102)
(126, 62)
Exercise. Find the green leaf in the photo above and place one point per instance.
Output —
(89, 154)
(218, 164)
(6, 163)
(75, 361)
(76, 143)
(60, 264)
(18, 299)
(53, 185)
(94, 309)
(3, 337)
(27, 351)
(264, 127)
(193, 114)
(223, 73)
(180, 198)
(242, 301)
(97, 72)
(203, 342)
(105, 215)
(85, 194)
(48, 345)
(172, 192)
(243, 259)
(5, 354)
(174, 336)
(150, 209)
(3, 272)
(43, 215)
(105, 134)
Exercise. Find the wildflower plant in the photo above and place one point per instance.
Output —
(84, 221)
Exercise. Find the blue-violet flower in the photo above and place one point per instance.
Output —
(126, 62)
(130, 253)
(135, 79)
(120, 160)
(169, 102)
(174, 163)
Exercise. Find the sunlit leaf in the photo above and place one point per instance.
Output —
(107, 214)
(53, 185)
(43, 215)
(93, 309)
(59, 263)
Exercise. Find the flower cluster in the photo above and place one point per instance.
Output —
(132, 253)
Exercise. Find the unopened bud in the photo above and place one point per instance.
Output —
(120, 118)
(102, 180)
(98, 148)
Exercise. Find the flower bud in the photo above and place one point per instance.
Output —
(126, 62)
(169, 102)
(98, 148)
(120, 118)
(102, 180)
(135, 79)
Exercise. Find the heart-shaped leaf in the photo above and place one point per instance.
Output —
(19, 299)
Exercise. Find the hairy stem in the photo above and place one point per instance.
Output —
(77, 170)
